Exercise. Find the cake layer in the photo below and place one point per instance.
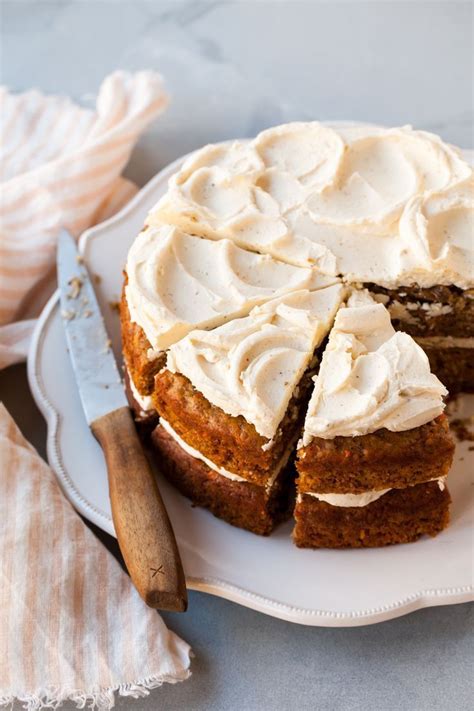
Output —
(379, 460)
(177, 282)
(250, 506)
(229, 442)
(399, 516)
(385, 205)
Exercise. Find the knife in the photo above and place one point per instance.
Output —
(143, 529)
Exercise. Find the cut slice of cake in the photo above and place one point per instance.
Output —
(231, 402)
(175, 282)
(376, 447)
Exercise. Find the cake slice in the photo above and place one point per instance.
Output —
(231, 402)
(175, 282)
(376, 447)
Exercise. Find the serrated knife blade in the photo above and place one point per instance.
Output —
(98, 379)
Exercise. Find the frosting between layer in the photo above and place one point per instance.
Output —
(371, 377)
(360, 500)
(177, 282)
(251, 366)
(349, 500)
(390, 206)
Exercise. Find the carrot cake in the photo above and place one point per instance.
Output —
(232, 400)
(376, 448)
(229, 297)
(391, 207)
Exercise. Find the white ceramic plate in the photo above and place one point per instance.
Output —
(329, 588)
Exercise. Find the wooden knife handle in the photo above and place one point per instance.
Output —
(143, 528)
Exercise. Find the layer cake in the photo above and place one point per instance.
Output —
(229, 295)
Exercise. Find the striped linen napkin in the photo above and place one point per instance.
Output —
(72, 626)
(60, 166)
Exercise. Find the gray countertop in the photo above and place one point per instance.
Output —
(233, 68)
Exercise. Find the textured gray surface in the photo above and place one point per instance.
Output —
(233, 69)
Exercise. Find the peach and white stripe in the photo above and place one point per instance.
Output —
(60, 166)
(72, 624)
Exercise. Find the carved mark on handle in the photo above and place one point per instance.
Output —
(157, 570)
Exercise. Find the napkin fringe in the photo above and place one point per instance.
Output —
(100, 700)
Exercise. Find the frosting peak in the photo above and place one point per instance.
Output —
(371, 377)
(392, 206)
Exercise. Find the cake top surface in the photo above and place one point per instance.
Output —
(252, 365)
(371, 377)
(392, 206)
(177, 282)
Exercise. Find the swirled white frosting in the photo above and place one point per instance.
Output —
(350, 500)
(251, 366)
(392, 206)
(177, 282)
(371, 377)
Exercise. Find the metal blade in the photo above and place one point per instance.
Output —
(98, 379)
